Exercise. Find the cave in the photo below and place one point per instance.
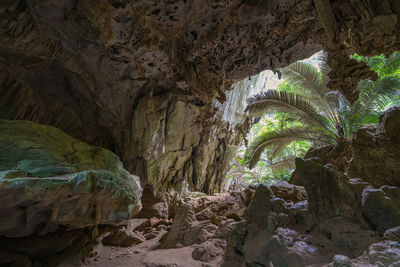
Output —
(118, 120)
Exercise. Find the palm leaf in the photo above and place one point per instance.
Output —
(371, 93)
(312, 84)
(304, 109)
(285, 163)
(392, 64)
(279, 148)
(324, 68)
(307, 77)
(272, 138)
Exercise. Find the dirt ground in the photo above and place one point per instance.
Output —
(146, 254)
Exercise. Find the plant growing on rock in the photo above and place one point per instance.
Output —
(317, 115)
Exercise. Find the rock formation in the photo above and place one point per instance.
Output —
(346, 216)
(197, 236)
(148, 82)
(55, 190)
(334, 219)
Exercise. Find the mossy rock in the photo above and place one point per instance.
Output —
(49, 179)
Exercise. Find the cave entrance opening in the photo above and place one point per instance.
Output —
(288, 116)
(267, 169)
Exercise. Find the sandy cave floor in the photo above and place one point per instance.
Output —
(146, 254)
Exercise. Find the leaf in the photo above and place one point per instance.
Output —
(307, 77)
(273, 138)
(285, 163)
(304, 109)
(392, 64)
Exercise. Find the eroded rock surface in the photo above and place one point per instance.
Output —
(347, 214)
(289, 192)
(371, 155)
(55, 190)
(142, 78)
(196, 236)
(282, 234)
(376, 150)
(202, 219)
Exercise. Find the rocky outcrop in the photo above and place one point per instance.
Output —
(55, 190)
(371, 155)
(204, 223)
(332, 222)
(347, 213)
(163, 207)
(289, 192)
(217, 231)
(382, 207)
(376, 151)
(365, 27)
(330, 193)
(200, 219)
(265, 236)
(196, 237)
(135, 232)
(378, 254)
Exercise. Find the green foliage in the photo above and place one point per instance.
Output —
(307, 110)
(375, 96)
(239, 176)
(300, 107)
(304, 113)
(266, 171)
(277, 140)
(383, 66)
(282, 175)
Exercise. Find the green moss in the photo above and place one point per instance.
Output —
(12, 174)
(43, 158)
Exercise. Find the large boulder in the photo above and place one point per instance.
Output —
(329, 191)
(159, 207)
(52, 182)
(260, 206)
(338, 155)
(289, 192)
(375, 154)
(182, 225)
(381, 207)
(389, 123)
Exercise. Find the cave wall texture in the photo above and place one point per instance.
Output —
(141, 77)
